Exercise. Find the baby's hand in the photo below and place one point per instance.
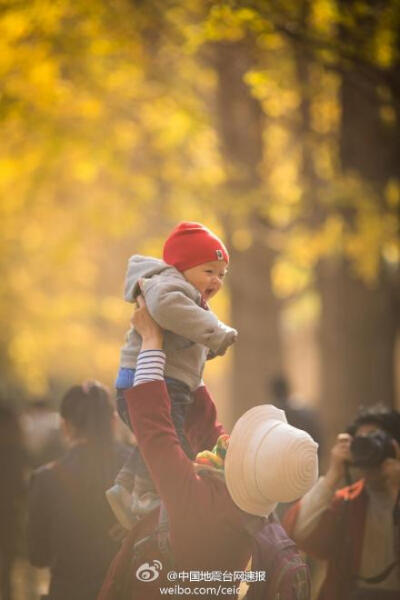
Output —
(229, 340)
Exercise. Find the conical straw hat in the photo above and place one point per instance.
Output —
(268, 461)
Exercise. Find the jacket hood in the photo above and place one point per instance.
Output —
(141, 267)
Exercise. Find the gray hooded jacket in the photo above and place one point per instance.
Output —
(191, 333)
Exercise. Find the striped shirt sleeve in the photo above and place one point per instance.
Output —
(150, 366)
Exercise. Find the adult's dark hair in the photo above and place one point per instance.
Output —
(87, 407)
(279, 388)
(380, 415)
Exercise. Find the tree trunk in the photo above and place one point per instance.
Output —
(357, 337)
(358, 323)
(255, 312)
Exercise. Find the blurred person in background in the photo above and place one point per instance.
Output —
(69, 521)
(356, 529)
(42, 434)
(302, 417)
(12, 494)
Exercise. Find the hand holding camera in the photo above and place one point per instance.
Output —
(340, 456)
(373, 450)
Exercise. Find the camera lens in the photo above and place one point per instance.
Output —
(371, 450)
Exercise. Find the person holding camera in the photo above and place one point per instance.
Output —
(356, 529)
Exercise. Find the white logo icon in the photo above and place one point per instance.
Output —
(219, 254)
(149, 572)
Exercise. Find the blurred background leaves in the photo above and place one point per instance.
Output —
(275, 123)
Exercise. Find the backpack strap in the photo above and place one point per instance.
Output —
(161, 535)
(122, 587)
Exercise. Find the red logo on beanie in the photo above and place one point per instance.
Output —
(191, 244)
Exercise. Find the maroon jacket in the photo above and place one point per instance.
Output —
(337, 538)
(207, 531)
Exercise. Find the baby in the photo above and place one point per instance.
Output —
(176, 290)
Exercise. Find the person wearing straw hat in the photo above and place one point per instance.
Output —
(211, 501)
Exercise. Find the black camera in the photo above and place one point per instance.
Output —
(371, 450)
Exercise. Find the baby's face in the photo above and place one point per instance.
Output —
(207, 277)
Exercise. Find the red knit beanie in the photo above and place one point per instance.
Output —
(191, 244)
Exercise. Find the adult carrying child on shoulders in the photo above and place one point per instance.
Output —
(218, 502)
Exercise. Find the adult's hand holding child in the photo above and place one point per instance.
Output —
(151, 333)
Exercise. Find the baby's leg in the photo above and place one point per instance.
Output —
(133, 492)
(134, 466)
(181, 399)
(127, 473)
